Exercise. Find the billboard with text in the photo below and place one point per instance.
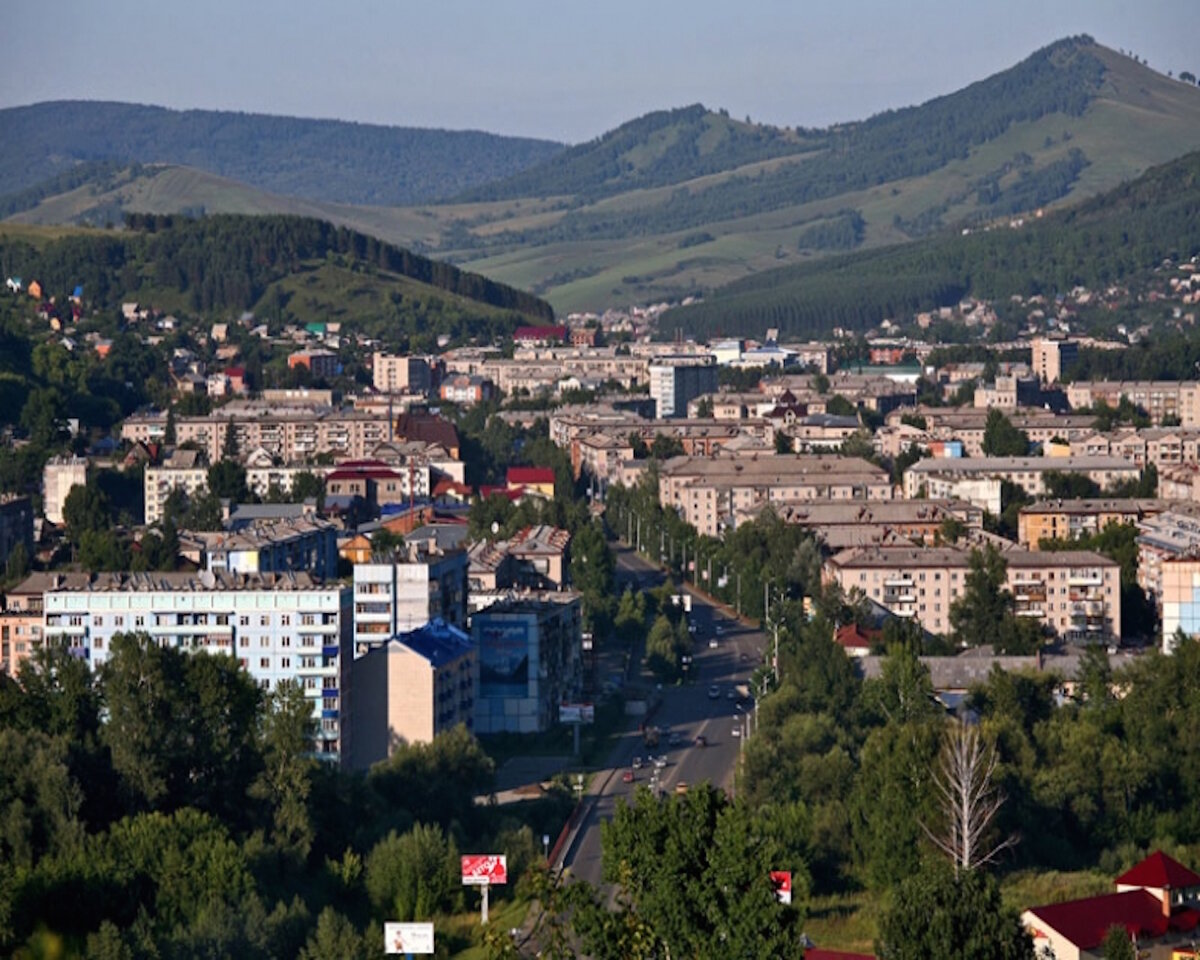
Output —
(484, 869)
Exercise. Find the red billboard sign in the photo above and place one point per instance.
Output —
(480, 870)
(783, 885)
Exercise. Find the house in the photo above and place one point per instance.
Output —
(855, 640)
(539, 336)
(1157, 903)
(14, 284)
(539, 480)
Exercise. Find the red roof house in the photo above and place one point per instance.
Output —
(855, 640)
(1157, 899)
(530, 477)
(532, 335)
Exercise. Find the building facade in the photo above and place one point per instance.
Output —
(16, 527)
(407, 591)
(59, 476)
(676, 380)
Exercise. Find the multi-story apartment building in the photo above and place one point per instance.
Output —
(467, 390)
(1164, 400)
(305, 544)
(1075, 593)
(1072, 519)
(709, 493)
(967, 425)
(59, 476)
(159, 482)
(16, 526)
(291, 433)
(839, 524)
(401, 374)
(409, 689)
(420, 583)
(676, 380)
(1168, 535)
(23, 620)
(285, 627)
(1178, 601)
(1161, 446)
(945, 479)
(1053, 358)
(530, 654)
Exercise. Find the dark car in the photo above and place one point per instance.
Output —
(702, 741)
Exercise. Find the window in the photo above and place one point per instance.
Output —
(264, 662)
(264, 620)
(285, 641)
(286, 619)
(98, 643)
(330, 703)
(97, 621)
(310, 683)
(119, 621)
(139, 621)
(285, 663)
(244, 620)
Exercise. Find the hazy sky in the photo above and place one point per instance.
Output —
(561, 69)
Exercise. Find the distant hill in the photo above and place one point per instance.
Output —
(282, 268)
(327, 160)
(687, 200)
(1111, 238)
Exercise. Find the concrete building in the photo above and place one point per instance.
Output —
(392, 374)
(676, 380)
(58, 477)
(530, 661)
(285, 627)
(286, 546)
(1169, 535)
(1053, 358)
(420, 583)
(943, 479)
(1169, 400)
(159, 482)
(321, 363)
(16, 526)
(409, 689)
(23, 619)
(839, 524)
(1179, 599)
(1072, 519)
(1075, 593)
(466, 390)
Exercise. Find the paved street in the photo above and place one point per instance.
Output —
(688, 710)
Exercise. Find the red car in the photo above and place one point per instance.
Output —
(627, 776)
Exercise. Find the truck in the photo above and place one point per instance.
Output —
(650, 737)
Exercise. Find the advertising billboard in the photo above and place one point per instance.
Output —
(503, 657)
(576, 713)
(783, 885)
(484, 869)
(408, 938)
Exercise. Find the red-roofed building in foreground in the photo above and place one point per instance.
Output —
(856, 641)
(1157, 903)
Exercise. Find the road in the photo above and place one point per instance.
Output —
(688, 710)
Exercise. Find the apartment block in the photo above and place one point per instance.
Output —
(419, 583)
(1072, 519)
(16, 526)
(285, 546)
(391, 374)
(159, 482)
(676, 380)
(1164, 400)
(1179, 600)
(530, 653)
(1053, 358)
(839, 524)
(945, 479)
(409, 689)
(278, 627)
(59, 476)
(1075, 593)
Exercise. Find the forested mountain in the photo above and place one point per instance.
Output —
(224, 263)
(1108, 239)
(314, 159)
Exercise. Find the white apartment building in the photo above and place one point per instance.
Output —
(407, 592)
(58, 477)
(400, 374)
(676, 380)
(285, 627)
(159, 482)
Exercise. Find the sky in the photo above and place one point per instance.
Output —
(556, 69)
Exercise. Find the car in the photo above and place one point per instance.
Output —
(712, 643)
(627, 776)
(720, 630)
(736, 731)
(681, 788)
(714, 692)
(637, 763)
(660, 762)
(674, 740)
(731, 694)
(702, 741)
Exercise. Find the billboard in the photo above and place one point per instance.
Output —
(408, 938)
(576, 713)
(479, 870)
(503, 657)
(783, 885)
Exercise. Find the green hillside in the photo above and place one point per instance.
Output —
(688, 200)
(313, 159)
(1110, 239)
(303, 269)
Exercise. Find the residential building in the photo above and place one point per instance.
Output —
(159, 482)
(942, 479)
(530, 660)
(23, 620)
(710, 492)
(536, 558)
(1053, 358)
(1169, 401)
(278, 627)
(676, 380)
(466, 389)
(419, 583)
(304, 544)
(1169, 535)
(540, 335)
(392, 374)
(1072, 519)
(59, 476)
(1075, 593)
(968, 425)
(1008, 393)
(839, 524)
(821, 432)
(539, 480)
(1157, 905)
(409, 689)
(321, 363)
(16, 526)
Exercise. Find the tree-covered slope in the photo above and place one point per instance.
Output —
(225, 263)
(1105, 240)
(314, 159)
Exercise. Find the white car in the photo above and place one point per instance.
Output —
(712, 643)
(736, 731)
